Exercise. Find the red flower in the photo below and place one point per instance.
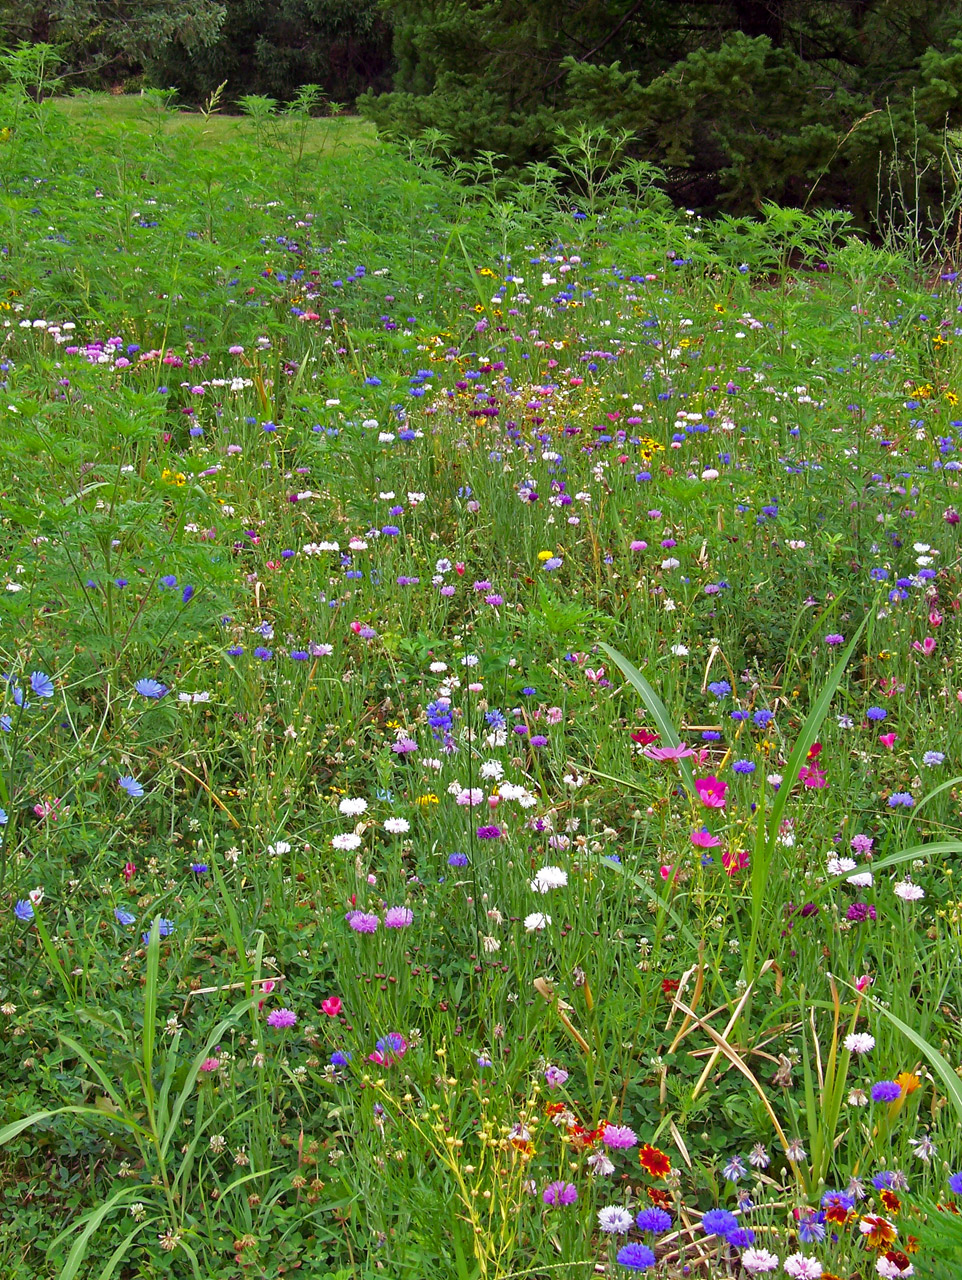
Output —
(643, 737)
(654, 1162)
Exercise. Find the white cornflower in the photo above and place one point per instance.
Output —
(680, 650)
(352, 808)
(614, 1220)
(549, 878)
(347, 840)
(492, 769)
(600, 1165)
(758, 1261)
(859, 1042)
(397, 826)
(536, 921)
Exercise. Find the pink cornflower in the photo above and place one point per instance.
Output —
(362, 921)
(210, 1064)
(398, 917)
(618, 1136)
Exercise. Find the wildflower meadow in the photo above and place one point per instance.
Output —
(481, 718)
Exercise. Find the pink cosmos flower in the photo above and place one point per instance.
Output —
(927, 647)
(812, 777)
(711, 791)
(888, 739)
(668, 753)
(331, 1006)
(733, 861)
(704, 839)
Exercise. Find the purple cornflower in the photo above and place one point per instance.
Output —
(457, 860)
(560, 1193)
(489, 833)
(886, 1091)
(955, 1184)
(834, 638)
(362, 921)
(281, 1018)
(859, 912)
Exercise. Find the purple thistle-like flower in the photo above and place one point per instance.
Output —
(281, 1018)
(489, 833)
(362, 921)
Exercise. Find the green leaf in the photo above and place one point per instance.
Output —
(659, 712)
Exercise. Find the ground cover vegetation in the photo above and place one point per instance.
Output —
(480, 726)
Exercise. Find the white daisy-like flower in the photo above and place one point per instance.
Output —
(397, 826)
(492, 769)
(346, 840)
(614, 1220)
(838, 866)
(536, 921)
(861, 880)
(352, 807)
(680, 650)
(549, 878)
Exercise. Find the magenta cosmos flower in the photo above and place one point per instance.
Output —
(711, 791)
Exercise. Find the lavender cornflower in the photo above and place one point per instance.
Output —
(281, 1018)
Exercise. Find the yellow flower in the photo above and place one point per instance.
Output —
(430, 798)
(545, 555)
(173, 477)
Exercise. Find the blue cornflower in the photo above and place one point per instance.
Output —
(41, 684)
(932, 758)
(634, 1257)
(955, 1184)
(3, 818)
(886, 1091)
(741, 1238)
(811, 1228)
(457, 860)
(187, 593)
(738, 715)
(884, 1180)
(838, 1200)
(876, 713)
(148, 688)
(901, 799)
(340, 1058)
(265, 655)
(653, 1220)
(300, 655)
(124, 917)
(734, 1169)
(718, 1222)
(549, 566)
(744, 766)
(879, 575)
(199, 868)
(762, 718)
(235, 650)
(495, 718)
(169, 580)
(130, 785)
(719, 689)
(23, 910)
(164, 929)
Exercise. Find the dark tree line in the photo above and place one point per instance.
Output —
(736, 100)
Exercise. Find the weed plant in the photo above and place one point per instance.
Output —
(480, 722)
